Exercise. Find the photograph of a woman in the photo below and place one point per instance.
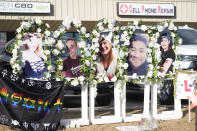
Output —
(32, 56)
(137, 55)
(107, 57)
(167, 53)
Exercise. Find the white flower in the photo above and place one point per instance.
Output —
(38, 21)
(12, 60)
(144, 28)
(134, 76)
(81, 78)
(87, 35)
(106, 79)
(56, 34)
(16, 66)
(47, 52)
(160, 28)
(83, 30)
(114, 79)
(14, 51)
(97, 50)
(60, 67)
(94, 32)
(56, 52)
(125, 66)
(59, 45)
(150, 73)
(172, 34)
(94, 57)
(18, 30)
(87, 62)
(150, 66)
(171, 26)
(50, 67)
(62, 29)
(68, 79)
(105, 21)
(57, 79)
(149, 31)
(122, 54)
(75, 82)
(149, 59)
(127, 42)
(48, 33)
(48, 75)
(82, 44)
(100, 27)
(99, 24)
(135, 22)
(19, 36)
(67, 22)
(44, 57)
(95, 40)
(38, 30)
(110, 26)
(100, 79)
(166, 24)
(157, 34)
(77, 22)
(48, 26)
(175, 28)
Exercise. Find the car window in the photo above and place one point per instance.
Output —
(188, 36)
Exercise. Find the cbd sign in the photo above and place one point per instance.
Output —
(23, 5)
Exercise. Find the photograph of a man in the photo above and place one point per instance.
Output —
(137, 55)
(71, 65)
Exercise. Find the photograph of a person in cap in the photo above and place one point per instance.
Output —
(167, 53)
(137, 55)
(107, 57)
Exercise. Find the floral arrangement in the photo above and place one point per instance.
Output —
(63, 28)
(156, 30)
(32, 25)
(108, 25)
(125, 37)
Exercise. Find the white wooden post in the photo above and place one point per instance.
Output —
(105, 119)
(145, 114)
(164, 115)
(84, 120)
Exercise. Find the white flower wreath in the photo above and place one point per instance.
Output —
(125, 37)
(166, 25)
(109, 26)
(26, 26)
(66, 25)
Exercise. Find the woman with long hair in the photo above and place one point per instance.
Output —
(107, 59)
(167, 54)
(32, 56)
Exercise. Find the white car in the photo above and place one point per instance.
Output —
(187, 52)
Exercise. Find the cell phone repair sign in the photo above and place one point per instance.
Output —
(140, 9)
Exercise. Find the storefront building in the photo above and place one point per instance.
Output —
(90, 11)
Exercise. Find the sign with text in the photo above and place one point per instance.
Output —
(140, 9)
(185, 83)
(24, 7)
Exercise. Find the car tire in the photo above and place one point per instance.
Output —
(166, 93)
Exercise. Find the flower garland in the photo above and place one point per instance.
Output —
(35, 25)
(66, 25)
(165, 25)
(103, 25)
(125, 37)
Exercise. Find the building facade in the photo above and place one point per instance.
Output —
(90, 11)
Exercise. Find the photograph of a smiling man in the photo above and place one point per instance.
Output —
(137, 55)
